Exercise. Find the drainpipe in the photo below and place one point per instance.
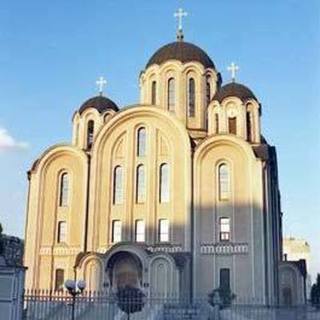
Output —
(265, 228)
(192, 227)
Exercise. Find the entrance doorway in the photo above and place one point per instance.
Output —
(125, 269)
(287, 296)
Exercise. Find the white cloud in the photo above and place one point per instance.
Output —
(7, 142)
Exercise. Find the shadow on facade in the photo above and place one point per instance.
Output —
(243, 242)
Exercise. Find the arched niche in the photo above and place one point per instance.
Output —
(93, 275)
(163, 277)
(125, 269)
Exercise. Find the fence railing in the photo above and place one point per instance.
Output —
(47, 305)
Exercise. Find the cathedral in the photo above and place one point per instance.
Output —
(177, 194)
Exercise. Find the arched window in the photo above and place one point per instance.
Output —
(171, 94)
(208, 91)
(140, 184)
(90, 133)
(116, 231)
(164, 183)
(141, 142)
(232, 123)
(117, 185)
(216, 122)
(154, 92)
(62, 232)
(59, 281)
(140, 231)
(64, 190)
(224, 182)
(191, 97)
(249, 127)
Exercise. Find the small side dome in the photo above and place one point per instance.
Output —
(181, 51)
(234, 89)
(100, 103)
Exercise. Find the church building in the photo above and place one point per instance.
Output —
(176, 195)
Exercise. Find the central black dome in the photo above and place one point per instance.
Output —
(181, 51)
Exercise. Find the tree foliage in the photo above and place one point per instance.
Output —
(315, 293)
(221, 296)
(130, 299)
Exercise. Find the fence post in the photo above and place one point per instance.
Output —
(216, 312)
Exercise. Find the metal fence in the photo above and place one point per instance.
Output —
(46, 305)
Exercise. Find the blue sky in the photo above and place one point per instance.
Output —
(51, 53)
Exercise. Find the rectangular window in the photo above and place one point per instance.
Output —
(116, 231)
(140, 231)
(163, 230)
(224, 229)
(62, 231)
(59, 283)
(225, 279)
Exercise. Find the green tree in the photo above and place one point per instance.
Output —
(130, 300)
(222, 297)
(315, 293)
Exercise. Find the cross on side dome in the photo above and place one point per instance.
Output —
(233, 68)
(180, 14)
(101, 83)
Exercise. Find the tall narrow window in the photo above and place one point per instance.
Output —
(117, 185)
(232, 122)
(191, 97)
(141, 142)
(154, 92)
(208, 91)
(64, 190)
(62, 231)
(59, 283)
(224, 229)
(249, 127)
(225, 279)
(171, 94)
(140, 184)
(140, 231)
(224, 182)
(116, 231)
(90, 133)
(164, 183)
(217, 122)
(163, 230)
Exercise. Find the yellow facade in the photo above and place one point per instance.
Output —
(194, 136)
